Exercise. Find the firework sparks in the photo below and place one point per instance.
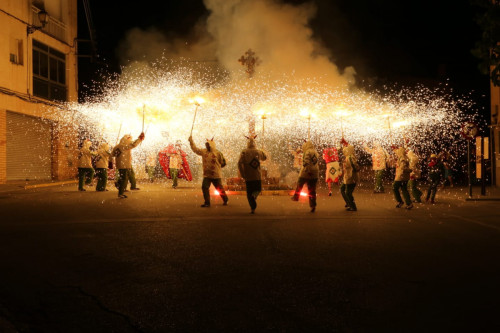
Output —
(420, 115)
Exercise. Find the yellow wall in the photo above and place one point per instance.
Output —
(3, 146)
(495, 122)
(16, 79)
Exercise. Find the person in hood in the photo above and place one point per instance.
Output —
(85, 169)
(350, 170)
(132, 180)
(175, 164)
(401, 178)
(151, 165)
(414, 176)
(331, 157)
(436, 169)
(379, 163)
(297, 158)
(173, 161)
(309, 174)
(446, 160)
(212, 161)
(101, 166)
(249, 168)
(123, 154)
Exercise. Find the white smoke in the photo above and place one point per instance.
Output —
(278, 33)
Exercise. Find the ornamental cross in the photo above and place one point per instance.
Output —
(250, 61)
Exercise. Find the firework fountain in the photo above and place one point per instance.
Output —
(299, 111)
(306, 95)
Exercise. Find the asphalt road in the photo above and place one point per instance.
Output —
(156, 262)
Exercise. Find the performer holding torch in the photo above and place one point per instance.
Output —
(123, 154)
(309, 174)
(213, 161)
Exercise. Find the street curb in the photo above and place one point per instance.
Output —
(27, 187)
(482, 199)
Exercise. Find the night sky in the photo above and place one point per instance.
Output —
(386, 41)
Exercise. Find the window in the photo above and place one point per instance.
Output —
(49, 72)
(16, 51)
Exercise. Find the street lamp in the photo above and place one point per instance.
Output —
(43, 17)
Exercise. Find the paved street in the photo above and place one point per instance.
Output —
(156, 262)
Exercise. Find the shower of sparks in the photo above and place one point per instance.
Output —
(421, 116)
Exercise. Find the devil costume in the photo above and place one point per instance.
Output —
(212, 161)
(249, 168)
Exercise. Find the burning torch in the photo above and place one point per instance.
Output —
(196, 101)
(306, 113)
(262, 113)
(388, 116)
(341, 113)
(143, 112)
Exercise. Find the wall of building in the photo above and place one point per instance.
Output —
(16, 78)
(495, 132)
(3, 145)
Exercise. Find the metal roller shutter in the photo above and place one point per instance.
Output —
(29, 146)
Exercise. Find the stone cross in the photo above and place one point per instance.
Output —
(250, 61)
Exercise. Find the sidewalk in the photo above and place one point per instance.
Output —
(19, 185)
(492, 194)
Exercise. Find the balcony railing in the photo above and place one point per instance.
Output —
(54, 28)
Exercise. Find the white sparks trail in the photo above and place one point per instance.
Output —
(419, 116)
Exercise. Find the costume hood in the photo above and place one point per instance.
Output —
(412, 155)
(400, 152)
(103, 147)
(251, 143)
(348, 150)
(126, 139)
(87, 143)
(211, 143)
(308, 145)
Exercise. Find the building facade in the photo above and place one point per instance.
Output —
(495, 133)
(38, 75)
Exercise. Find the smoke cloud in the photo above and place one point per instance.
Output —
(278, 33)
(150, 45)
